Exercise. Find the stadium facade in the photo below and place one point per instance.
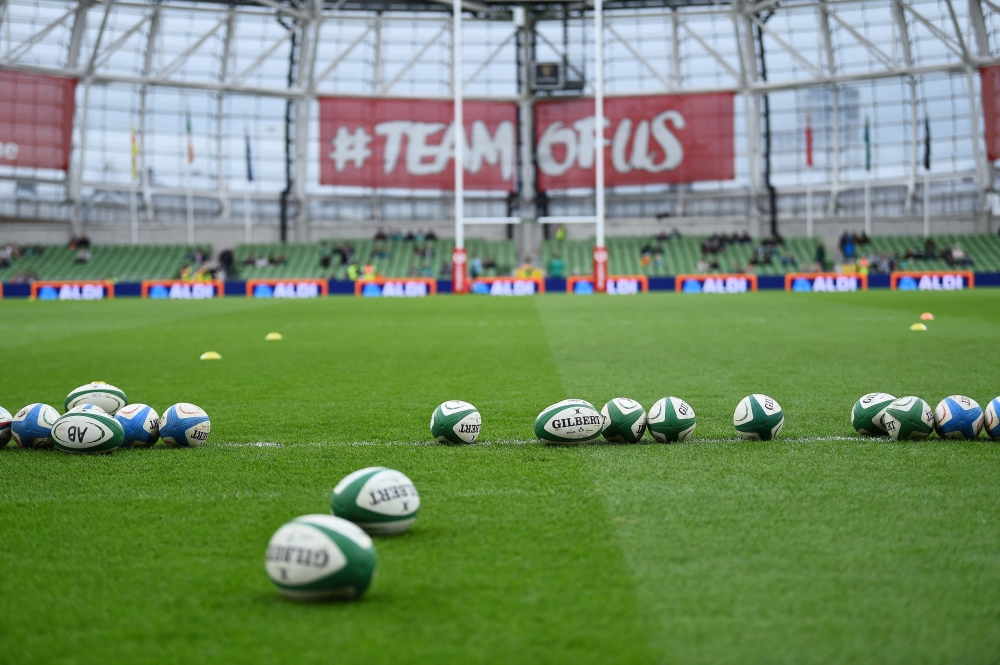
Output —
(221, 122)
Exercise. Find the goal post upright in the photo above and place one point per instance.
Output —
(600, 252)
(458, 256)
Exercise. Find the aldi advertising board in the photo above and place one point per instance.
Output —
(409, 287)
(825, 282)
(507, 286)
(619, 285)
(410, 143)
(715, 283)
(73, 290)
(176, 289)
(939, 280)
(652, 139)
(286, 288)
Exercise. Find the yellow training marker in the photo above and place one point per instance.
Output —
(926, 316)
(273, 337)
(211, 355)
(918, 326)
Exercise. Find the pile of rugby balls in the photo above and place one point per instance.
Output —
(99, 419)
(907, 418)
(322, 557)
(670, 419)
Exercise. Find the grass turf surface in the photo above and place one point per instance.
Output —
(817, 548)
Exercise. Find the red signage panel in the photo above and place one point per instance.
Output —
(36, 120)
(410, 143)
(649, 139)
(990, 79)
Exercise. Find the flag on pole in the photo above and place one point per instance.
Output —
(868, 146)
(190, 145)
(927, 144)
(809, 141)
(246, 137)
(135, 155)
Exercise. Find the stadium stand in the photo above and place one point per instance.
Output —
(123, 263)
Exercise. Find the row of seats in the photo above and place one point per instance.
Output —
(401, 259)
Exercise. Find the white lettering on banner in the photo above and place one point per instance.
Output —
(404, 289)
(623, 287)
(421, 157)
(9, 150)
(840, 284)
(578, 144)
(191, 291)
(940, 283)
(518, 287)
(727, 285)
(299, 290)
(78, 292)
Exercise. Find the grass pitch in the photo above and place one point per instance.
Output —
(817, 548)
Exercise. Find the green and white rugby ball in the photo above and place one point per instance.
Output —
(381, 501)
(319, 557)
(569, 421)
(670, 419)
(908, 418)
(866, 416)
(87, 432)
(624, 420)
(100, 394)
(456, 421)
(758, 417)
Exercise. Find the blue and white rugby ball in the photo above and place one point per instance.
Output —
(958, 417)
(184, 426)
(992, 418)
(32, 426)
(140, 424)
(5, 419)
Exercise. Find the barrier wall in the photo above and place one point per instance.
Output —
(421, 286)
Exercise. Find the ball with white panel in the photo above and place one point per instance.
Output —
(456, 421)
(320, 557)
(758, 417)
(908, 418)
(87, 432)
(99, 393)
(958, 417)
(866, 416)
(185, 425)
(141, 425)
(5, 419)
(624, 420)
(991, 418)
(569, 421)
(381, 501)
(31, 427)
(670, 420)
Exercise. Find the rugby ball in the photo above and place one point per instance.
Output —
(381, 501)
(624, 420)
(866, 416)
(87, 432)
(5, 419)
(184, 426)
(569, 421)
(87, 408)
(992, 418)
(670, 419)
(456, 421)
(318, 557)
(758, 417)
(102, 394)
(31, 427)
(908, 418)
(958, 417)
(141, 425)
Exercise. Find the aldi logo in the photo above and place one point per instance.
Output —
(176, 289)
(932, 280)
(715, 283)
(413, 287)
(73, 290)
(620, 285)
(508, 286)
(278, 288)
(825, 282)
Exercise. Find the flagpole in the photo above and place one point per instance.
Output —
(187, 181)
(809, 178)
(133, 209)
(247, 224)
(927, 204)
(868, 180)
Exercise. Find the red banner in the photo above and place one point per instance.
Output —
(990, 80)
(36, 120)
(653, 139)
(410, 143)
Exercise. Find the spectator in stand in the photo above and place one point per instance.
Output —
(409, 237)
(675, 234)
(489, 264)
(556, 267)
(476, 267)
(380, 235)
(445, 271)
(560, 233)
(420, 237)
(250, 260)
(930, 249)
(848, 248)
(431, 236)
(263, 262)
(352, 272)
(658, 257)
(83, 255)
(368, 272)
(702, 265)
(226, 262)
(821, 256)
(959, 257)
(789, 262)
